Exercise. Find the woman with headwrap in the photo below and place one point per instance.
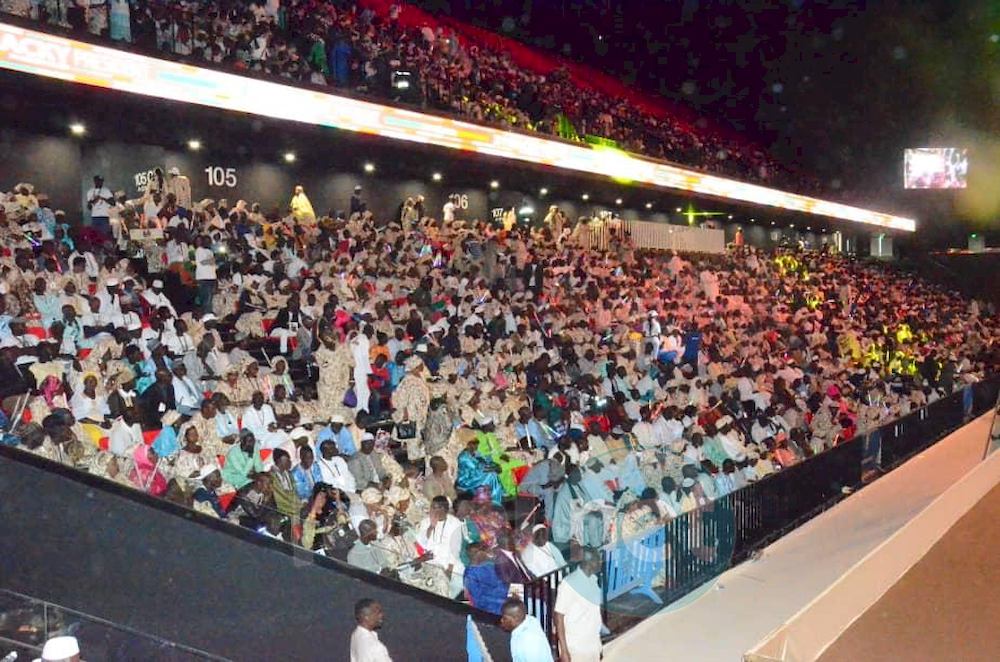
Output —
(489, 518)
(410, 402)
(489, 446)
(477, 473)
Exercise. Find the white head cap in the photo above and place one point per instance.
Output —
(207, 470)
(58, 649)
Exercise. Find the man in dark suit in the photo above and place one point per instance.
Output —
(157, 399)
(534, 276)
(509, 566)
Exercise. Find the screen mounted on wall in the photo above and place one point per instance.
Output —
(935, 167)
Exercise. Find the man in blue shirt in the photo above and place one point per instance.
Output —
(692, 343)
(339, 434)
(527, 641)
(528, 426)
(306, 474)
(48, 305)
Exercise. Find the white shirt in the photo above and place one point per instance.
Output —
(204, 271)
(178, 343)
(84, 407)
(582, 619)
(186, 394)
(335, 472)
(365, 647)
(177, 251)
(542, 560)
(27, 340)
(100, 208)
(445, 541)
(159, 300)
(123, 437)
(150, 209)
(258, 420)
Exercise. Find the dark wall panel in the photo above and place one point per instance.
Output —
(51, 164)
(117, 557)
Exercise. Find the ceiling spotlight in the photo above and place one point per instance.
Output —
(809, 227)
(289, 157)
(618, 201)
(194, 145)
(678, 209)
(754, 219)
(772, 222)
(494, 184)
(543, 191)
(649, 205)
(585, 196)
(791, 225)
(436, 176)
(77, 129)
(730, 217)
(369, 167)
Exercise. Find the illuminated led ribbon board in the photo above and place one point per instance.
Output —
(47, 55)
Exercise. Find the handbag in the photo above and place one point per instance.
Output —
(351, 398)
(340, 539)
(406, 430)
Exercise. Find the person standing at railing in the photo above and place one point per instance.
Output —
(578, 611)
(527, 640)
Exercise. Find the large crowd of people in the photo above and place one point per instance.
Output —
(345, 45)
(382, 390)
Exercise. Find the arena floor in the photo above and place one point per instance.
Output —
(946, 607)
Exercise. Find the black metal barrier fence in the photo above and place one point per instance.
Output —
(667, 563)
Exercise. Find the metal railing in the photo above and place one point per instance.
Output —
(670, 561)
(540, 598)
(26, 623)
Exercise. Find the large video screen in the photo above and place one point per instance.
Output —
(935, 167)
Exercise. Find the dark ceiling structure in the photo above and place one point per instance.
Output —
(835, 89)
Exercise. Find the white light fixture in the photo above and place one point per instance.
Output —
(289, 157)
(791, 225)
(436, 176)
(194, 145)
(809, 227)
(369, 167)
(494, 184)
(77, 129)
(649, 205)
(772, 222)
(585, 196)
(678, 210)
(730, 217)
(754, 219)
(544, 191)
(526, 211)
(618, 201)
